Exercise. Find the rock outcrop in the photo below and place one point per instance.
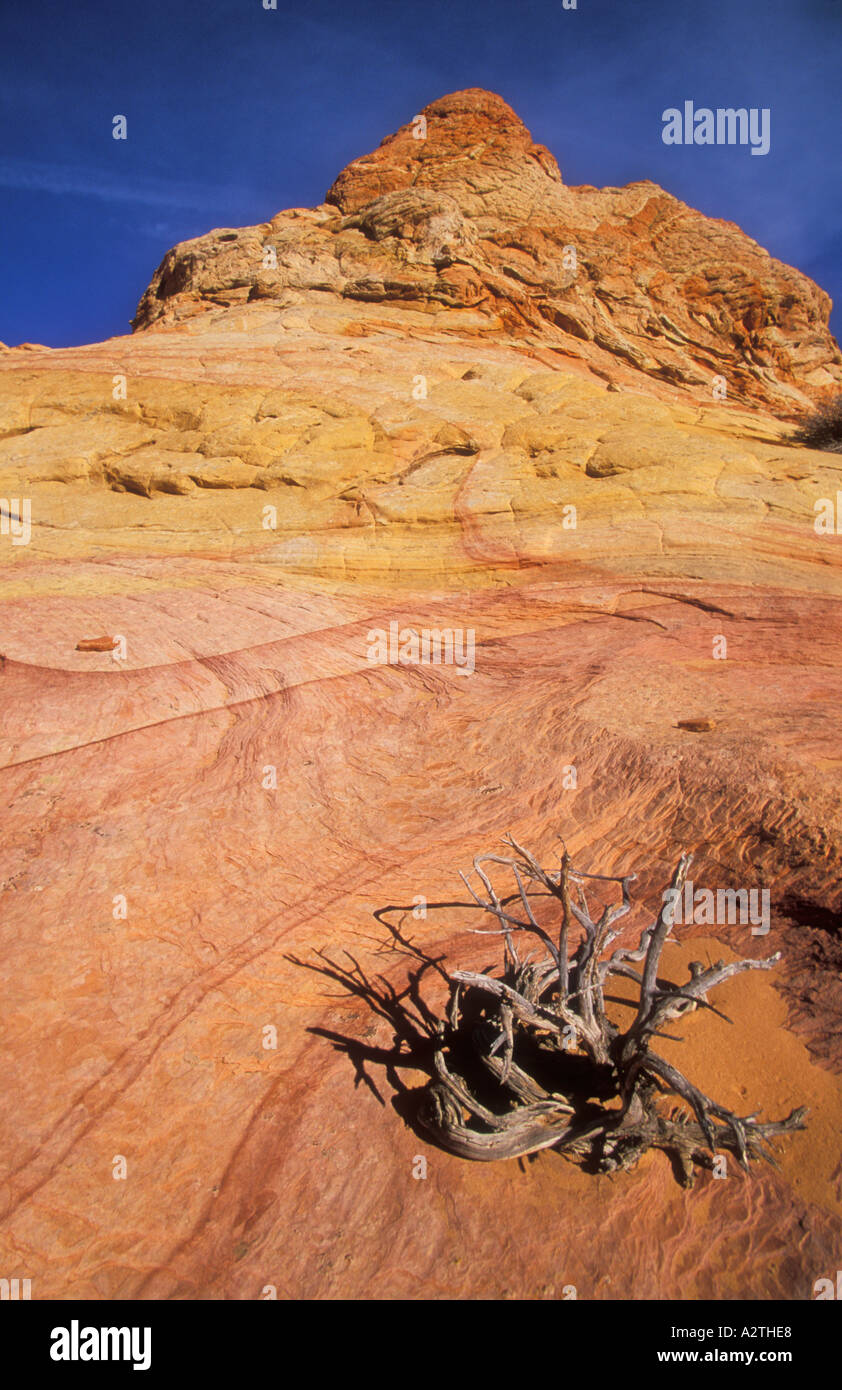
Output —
(461, 209)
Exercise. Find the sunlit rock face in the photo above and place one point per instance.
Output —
(461, 209)
(426, 413)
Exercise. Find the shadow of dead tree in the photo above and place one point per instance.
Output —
(529, 1058)
(412, 1019)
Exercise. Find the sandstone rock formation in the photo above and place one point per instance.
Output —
(465, 211)
(421, 416)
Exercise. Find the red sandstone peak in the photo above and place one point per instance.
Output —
(460, 209)
(443, 148)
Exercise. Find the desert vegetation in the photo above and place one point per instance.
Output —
(822, 428)
(529, 1059)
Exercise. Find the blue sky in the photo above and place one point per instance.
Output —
(235, 112)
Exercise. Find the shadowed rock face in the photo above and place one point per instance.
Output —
(298, 458)
(460, 208)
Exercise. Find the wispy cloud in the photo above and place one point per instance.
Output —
(111, 186)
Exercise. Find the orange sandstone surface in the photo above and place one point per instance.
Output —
(410, 405)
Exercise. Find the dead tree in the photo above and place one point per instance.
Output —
(531, 1060)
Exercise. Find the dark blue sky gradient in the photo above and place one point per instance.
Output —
(235, 112)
